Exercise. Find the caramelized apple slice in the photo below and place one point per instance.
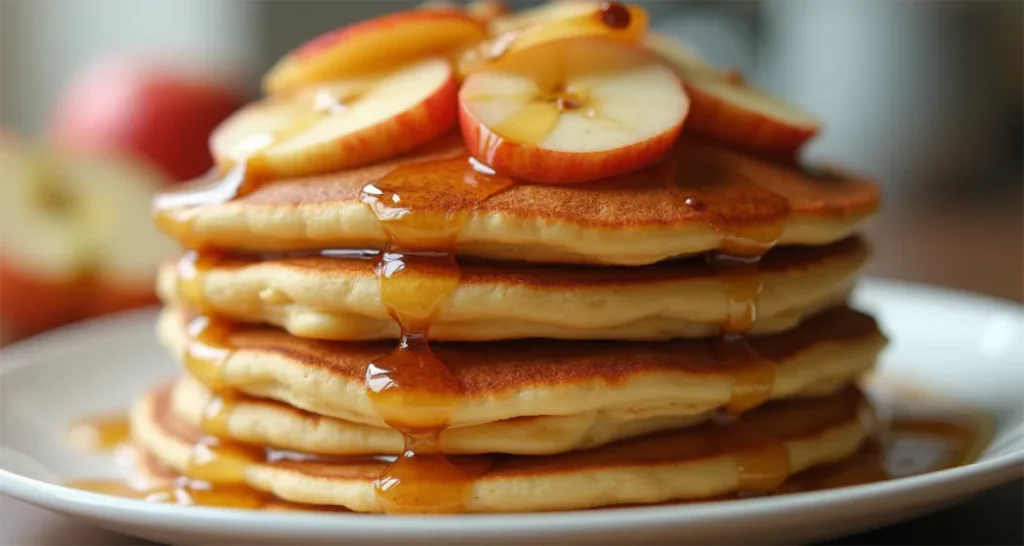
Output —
(571, 111)
(369, 46)
(340, 125)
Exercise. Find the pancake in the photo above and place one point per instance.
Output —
(334, 298)
(508, 379)
(632, 219)
(779, 439)
(266, 422)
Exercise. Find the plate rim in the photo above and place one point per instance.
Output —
(971, 478)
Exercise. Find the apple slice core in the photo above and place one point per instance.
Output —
(572, 111)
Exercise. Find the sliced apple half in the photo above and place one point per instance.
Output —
(111, 219)
(572, 111)
(76, 239)
(41, 261)
(343, 124)
(370, 46)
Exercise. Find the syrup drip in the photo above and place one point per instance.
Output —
(762, 463)
(710, 191)
(421, 208)
(99, 433)
(614, 15)
(207, 349)
(913, 439)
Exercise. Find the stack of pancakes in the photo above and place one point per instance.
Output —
(373, 316)
(603, 344)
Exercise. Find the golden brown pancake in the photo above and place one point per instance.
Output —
(509, 379)
(632, 219)
(330, 298)
(696, 463)
(261, 421)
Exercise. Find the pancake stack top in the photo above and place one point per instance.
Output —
(632, 194)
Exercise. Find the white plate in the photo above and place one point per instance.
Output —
(964, 346)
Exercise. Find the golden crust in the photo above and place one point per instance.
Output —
(631, 219)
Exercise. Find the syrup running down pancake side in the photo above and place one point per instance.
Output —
(421, 208)
(912, 436)
(763, 465)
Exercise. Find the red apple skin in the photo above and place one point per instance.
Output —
(112, 297)
(154, 113)
(305, 65)
(31, 303)
(532, 164)
(718, 119)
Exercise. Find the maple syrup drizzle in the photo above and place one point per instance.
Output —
(207, 348)
(421, 208)
(710, 191)
(908, 442)
(100, 433)
(762, 462)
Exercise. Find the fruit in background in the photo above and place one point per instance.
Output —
(159, 113)
(39, 260)
(112, 199)
(343, 124)
(76, 239)
(723, 107)
(10, 141)
(374, 45)
(571, 111)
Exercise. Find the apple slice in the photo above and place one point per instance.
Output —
(375, 45)
(341, 125)
(542, 14)
(723, 107)
(572, 111)
(609, 21)
(726, 109)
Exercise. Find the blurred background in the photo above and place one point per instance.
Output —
(925, 96)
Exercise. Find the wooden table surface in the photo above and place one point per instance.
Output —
(977, 247)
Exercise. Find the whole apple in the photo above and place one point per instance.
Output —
(161, 113)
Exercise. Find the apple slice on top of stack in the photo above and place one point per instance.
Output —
(563, 93)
